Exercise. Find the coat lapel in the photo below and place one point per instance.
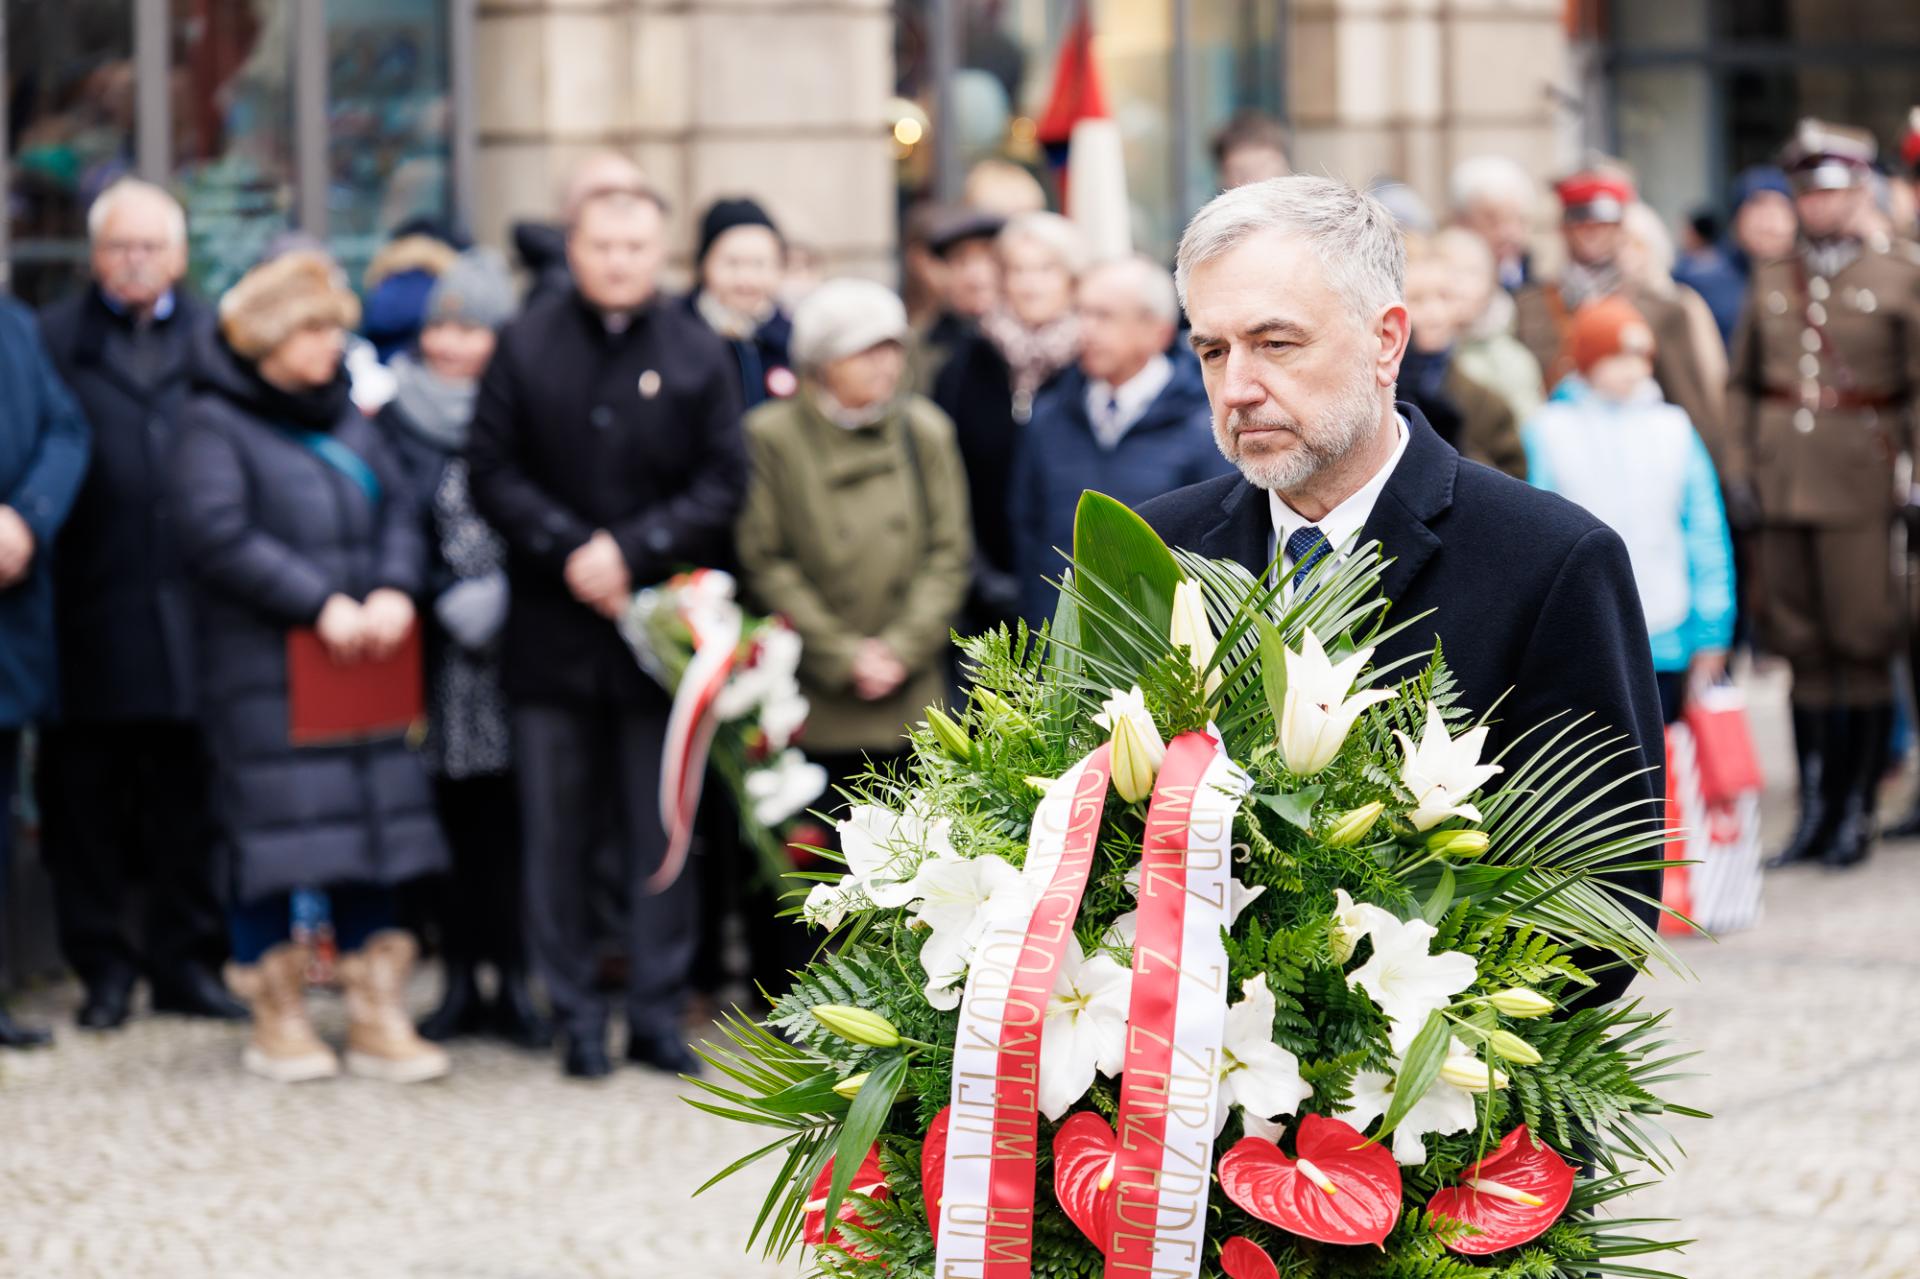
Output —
(1420, 489)
(1245, 532)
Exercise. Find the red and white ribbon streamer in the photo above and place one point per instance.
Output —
(705, 604)
(1177, 1016)
(986, 1207)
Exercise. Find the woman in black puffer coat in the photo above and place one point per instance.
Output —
(290, 514)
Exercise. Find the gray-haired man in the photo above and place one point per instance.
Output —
(1294, 291)
(123, 779)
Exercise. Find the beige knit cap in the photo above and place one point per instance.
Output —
(277, 299)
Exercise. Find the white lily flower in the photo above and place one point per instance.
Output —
(1405, 980)
(1443, 1111)
(827, 905)
(959, 898)
(1443, 771)
(784, 787)
(779, 652)
(1256, 1074)
(1317, 714)
(783, 714)
(883, 850)
(1353, 921)
(1192, 628)
(1085, 1030)
(1138, 750)
(1124, 928)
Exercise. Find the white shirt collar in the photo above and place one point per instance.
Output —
(1135, 396)
(1346, 519)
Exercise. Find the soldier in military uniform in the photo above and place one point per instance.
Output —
(1595, 204)
(1825, 365)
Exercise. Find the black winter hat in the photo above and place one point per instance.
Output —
(723, 216)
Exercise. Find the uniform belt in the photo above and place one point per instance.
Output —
(1832, 398)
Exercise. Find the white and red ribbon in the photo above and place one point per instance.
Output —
(1176, 1018)
(704, 603)
(987, 1204)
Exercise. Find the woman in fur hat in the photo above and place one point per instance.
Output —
(291, 514)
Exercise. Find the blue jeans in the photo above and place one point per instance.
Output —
(359, 911)
(9, 780)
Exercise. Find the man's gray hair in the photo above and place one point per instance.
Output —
(120, 191)
(1491, 179)
(1151, 283)
(1357, 241)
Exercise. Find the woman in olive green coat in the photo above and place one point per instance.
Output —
(856, 528)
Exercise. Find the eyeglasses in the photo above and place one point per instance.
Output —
(133, 248)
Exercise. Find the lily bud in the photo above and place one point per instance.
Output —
(1470, 1074)
(851, 1085)
(1353, 826)
(992, 703)
(1520, 1002)
(1505, 1043)
(1192, 629)
(1134, 766)
(952, 738)
(1458, 843)
(858, 1025)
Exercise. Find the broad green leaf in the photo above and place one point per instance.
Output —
(1296, 807)
(865, 1118)
(1118, 548)
(1273, 669)
(1418, 1069)
(1442, 899)
(813, 1096)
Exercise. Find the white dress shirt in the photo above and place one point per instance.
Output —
(1115, 410)
(1344, 520)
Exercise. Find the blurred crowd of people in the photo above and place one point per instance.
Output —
(184, 483)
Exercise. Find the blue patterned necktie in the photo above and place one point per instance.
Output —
(1306, 548)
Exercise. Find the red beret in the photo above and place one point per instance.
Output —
(1595, 196)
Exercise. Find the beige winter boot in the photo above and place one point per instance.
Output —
(381, 1041)
(284, 1047)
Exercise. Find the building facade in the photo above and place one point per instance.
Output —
(349, 118)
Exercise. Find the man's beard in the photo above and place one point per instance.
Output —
(1345, 423)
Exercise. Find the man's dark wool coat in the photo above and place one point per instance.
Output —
(1529, 596)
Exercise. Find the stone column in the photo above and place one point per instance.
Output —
(1411, 87)
(774, 99)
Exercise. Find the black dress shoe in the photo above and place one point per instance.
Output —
(662, 1052)
(461, 1010)
(516, 1018)
(195, 992)
(587, 1059)
(14, 1035)
(108, 1004)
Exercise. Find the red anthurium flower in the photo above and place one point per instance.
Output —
(1242, 1258)
(867, 1180)
(933, 1168)
(1085, 1155)
(1511, 1196)
(1339, 1189)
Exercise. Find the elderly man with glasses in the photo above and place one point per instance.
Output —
(123, 778)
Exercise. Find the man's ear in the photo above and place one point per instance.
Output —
(1393, 329)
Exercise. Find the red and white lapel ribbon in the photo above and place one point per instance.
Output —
(986, 1207)
(1176, 1023)
(1176, 1019)
(704, 602)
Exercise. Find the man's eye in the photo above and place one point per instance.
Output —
(1279, 344)
(1211, 355)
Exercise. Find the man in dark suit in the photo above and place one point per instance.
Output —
(1294, 291)
(124, 780)
(607, 451)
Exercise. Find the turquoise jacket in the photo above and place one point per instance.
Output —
(1589, 450)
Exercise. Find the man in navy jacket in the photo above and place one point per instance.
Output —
(1294, 288)
(1130, 421)
(43, 455)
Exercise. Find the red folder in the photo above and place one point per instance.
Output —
(328, 704)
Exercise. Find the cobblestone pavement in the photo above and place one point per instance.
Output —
(148, 1155)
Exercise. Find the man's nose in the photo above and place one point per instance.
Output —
(1239, 387)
